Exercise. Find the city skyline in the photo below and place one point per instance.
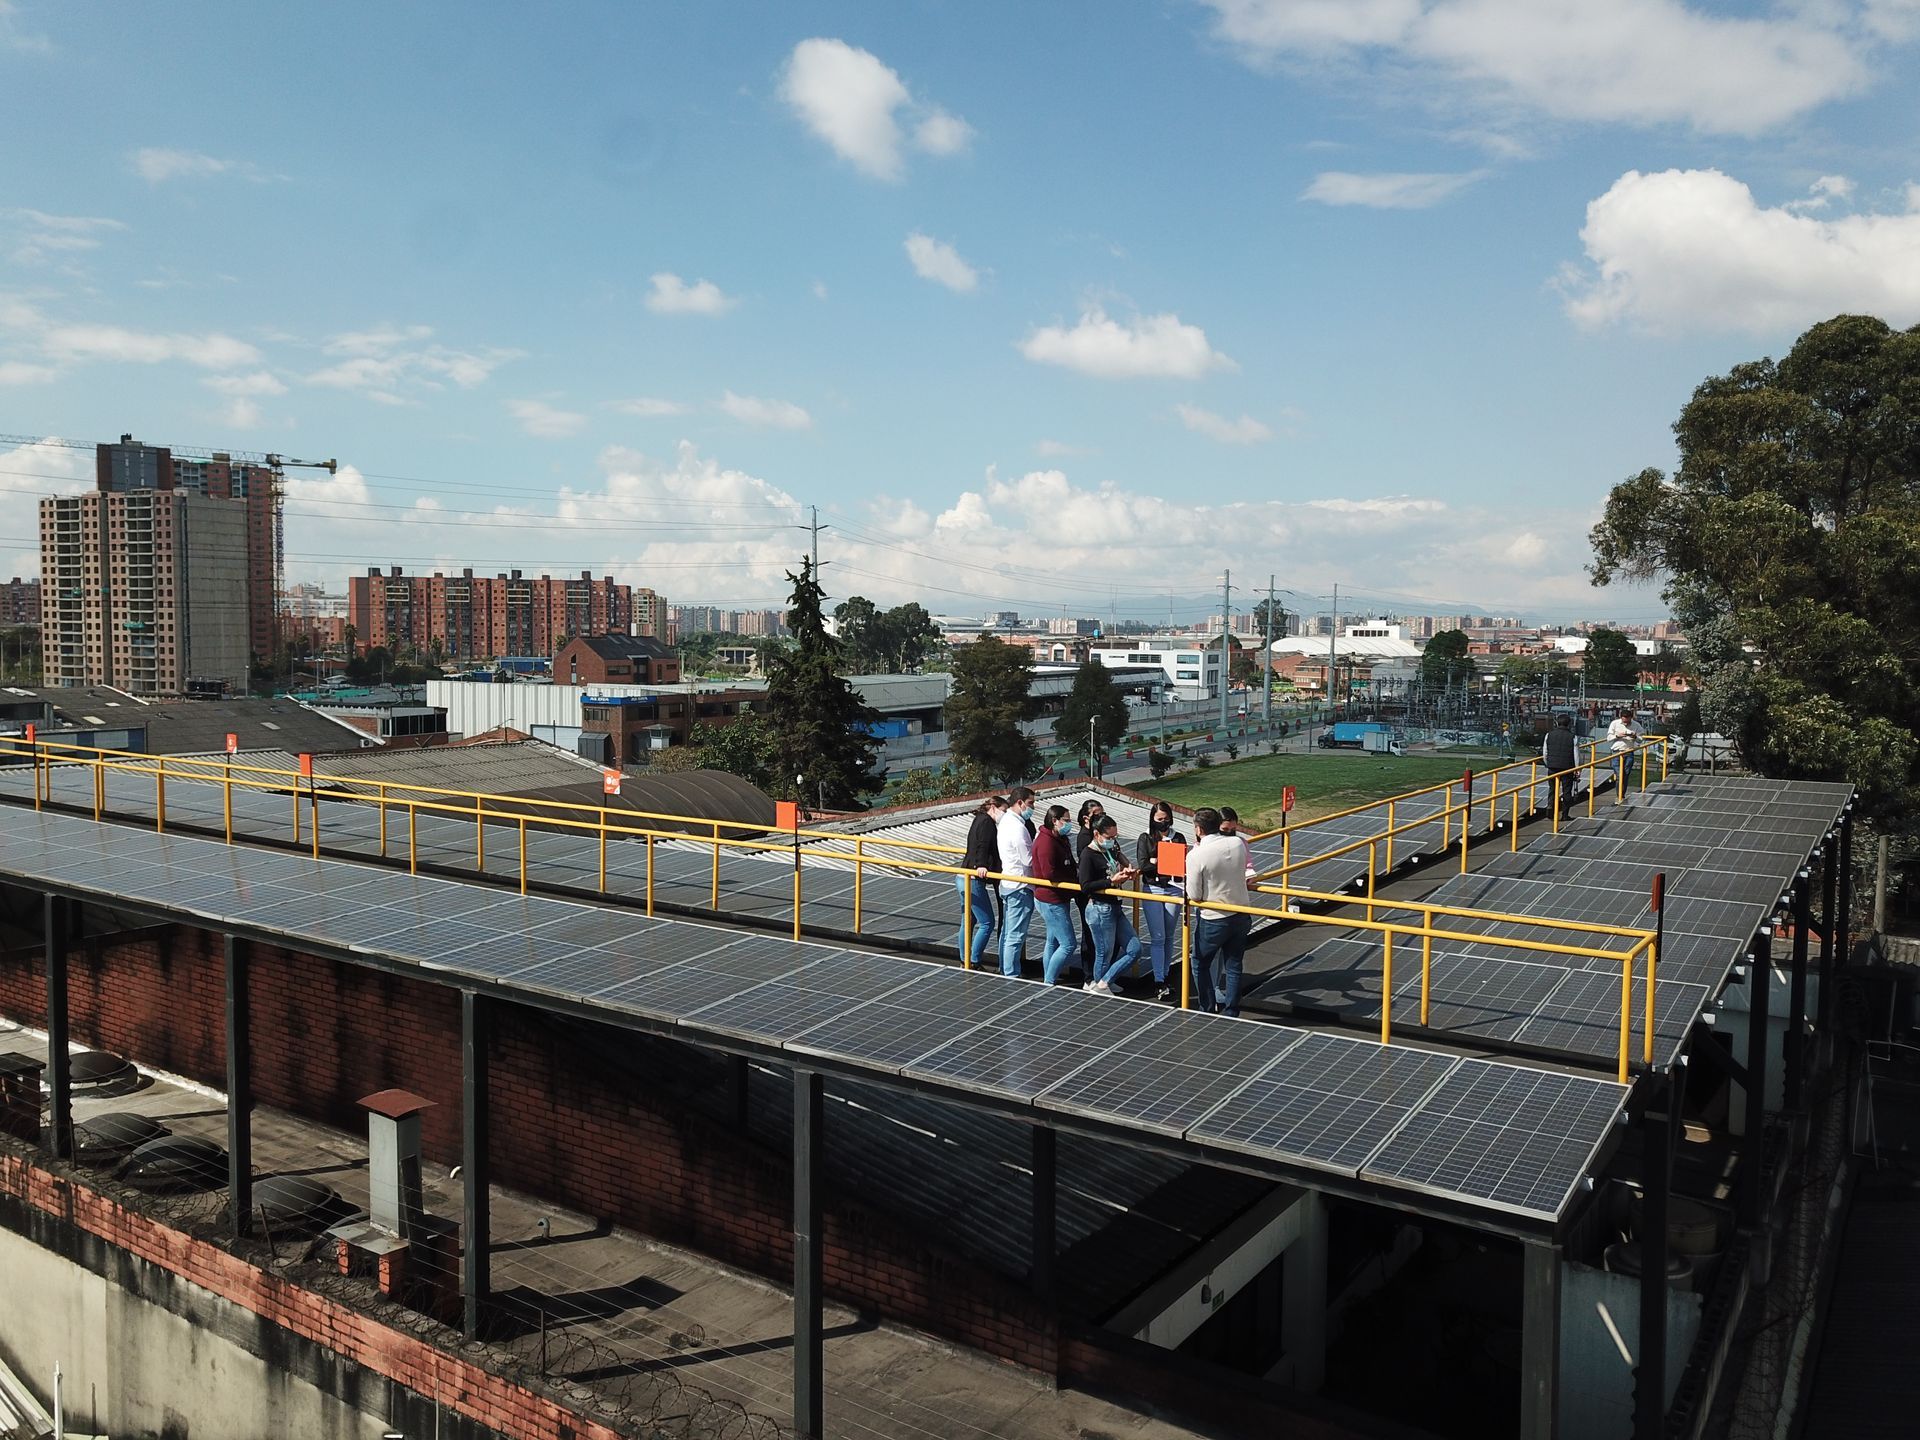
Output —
(1386, 301)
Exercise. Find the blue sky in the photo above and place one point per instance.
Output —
(1044, 306)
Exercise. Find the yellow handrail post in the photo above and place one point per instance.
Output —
(1186, 952)
(1645, 761)
(294, 791)
(380, 799)
(603, 854)
(1665, 747)
(523, 854)
(1390, 837)
(413, 848)
(1533, 787)
(713, 898)
(796, 885)
(1466, 824)
(1553, 786)
(649, 869)
(313, 814)
(34, 755)
(99, 790)
(1373, 864)
(479, 832)
(1513, 830)
(1386, 987)
(1493, 806)
(1426, 966)
(1593, 779)
(1626, 1012)
(160, 795)
(226, 797)
(1286, 862)
(859, 876)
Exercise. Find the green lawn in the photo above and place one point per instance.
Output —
(1322, 783)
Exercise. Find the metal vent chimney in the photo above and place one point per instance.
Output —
(396, 1203)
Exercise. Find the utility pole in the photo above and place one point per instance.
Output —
(1226, 641)
(1266, 666)
(1333, 648)
(813, 514)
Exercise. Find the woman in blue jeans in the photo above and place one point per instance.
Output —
(1163, 920)
(1115, 945)
(1053, 865)
(983, 858)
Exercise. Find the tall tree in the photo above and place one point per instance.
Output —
(743, 747)
(1789, 539)
(991, 694)
(1611, 658)
(1260, 619)
(1444, 659)
(1095, 715)
(822, 747)
(910, 633)
(857, 623)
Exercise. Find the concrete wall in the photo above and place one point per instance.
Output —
(1596, 1379)
(131, 1367)
(218, 626)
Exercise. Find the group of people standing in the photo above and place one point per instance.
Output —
(1068, 868)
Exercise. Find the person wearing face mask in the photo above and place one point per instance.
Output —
(976, 890)
(1115, 945)
(1015, 838)
(1090, 811)
(1053, 862)
(1163, 920)
(1230, 828)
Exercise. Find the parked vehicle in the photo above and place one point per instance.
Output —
(1381, 742)
(1352, 734)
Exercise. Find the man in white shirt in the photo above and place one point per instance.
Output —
(1622, 736)
(1217, 871)
(1016, 896)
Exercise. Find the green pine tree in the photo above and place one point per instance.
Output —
(822, 751)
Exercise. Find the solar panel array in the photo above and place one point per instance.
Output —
(1730, 847)
(1237, 1088)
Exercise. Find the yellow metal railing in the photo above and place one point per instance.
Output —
(307, 788)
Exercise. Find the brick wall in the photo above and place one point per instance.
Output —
(565, 1128)
(460, 1385)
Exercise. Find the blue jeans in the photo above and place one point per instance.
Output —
(1226, 939)
(1163, 931)
(1115, 945)
(982, 903)
(1017, 904)
(1061, 950)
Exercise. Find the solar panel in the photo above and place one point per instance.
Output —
(584, 974)
(933, 1007)
(1049, 1035)
(1479, 995)
(1170, 1073)
(781, 1009)
(1761, 888)
(1582, 1016)
(1329, 1105)
(1733, 920)
(677, 991)
(1516, 1139)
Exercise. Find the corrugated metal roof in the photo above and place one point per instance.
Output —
(522, 767)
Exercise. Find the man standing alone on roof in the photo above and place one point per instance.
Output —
(1622, 736)
(1561, 757)
(1217, 871)
(1016, 858)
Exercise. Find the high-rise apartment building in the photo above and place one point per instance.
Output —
(20, 602)
(479, 617)
(221, 477)
(144, 587)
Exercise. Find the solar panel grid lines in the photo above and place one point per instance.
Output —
(1170, 1073)
(1329, 1106)
(1582, 1016)
(1730, 920)
(1486, 995)
(1040, 1041)
(1520, 1139)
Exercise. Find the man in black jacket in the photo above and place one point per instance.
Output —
(1560, 756)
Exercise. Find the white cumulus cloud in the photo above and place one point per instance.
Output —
(648, 407)
(157, 164)
(545, 421)
(1693, 250)
(259, 382)
(939, 262)
(1244, 431)
(1148, 346)
(391, 363)
(765, 414)
(212, 351)
(1634, 61)
(855, 102)
(670, 295)
(1387, 192)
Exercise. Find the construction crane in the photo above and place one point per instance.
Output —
(277, 464)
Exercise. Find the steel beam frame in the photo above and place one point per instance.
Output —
(476, 1228)
(1795, 1049)
(239, 1040)
(1658, 1116)
(1539, 1341)
(1829, 886)
(59, 914)
(1759, 980)
(1046, 1203)
(809, 1361)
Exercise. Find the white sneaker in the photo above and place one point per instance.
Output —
(1091, 988)
(1099, 987)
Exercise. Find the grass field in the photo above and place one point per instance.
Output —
(1322, 783)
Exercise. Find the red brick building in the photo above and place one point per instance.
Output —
(479, 617)
(616, 660)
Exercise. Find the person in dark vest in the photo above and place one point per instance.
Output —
(1560, 756)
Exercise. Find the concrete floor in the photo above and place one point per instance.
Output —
(626, 1315)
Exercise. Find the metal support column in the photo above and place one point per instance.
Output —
(476, 1217)
(1759, 980)
(1656, 1168)
(809, 1364)
(239, 1084)
(1796, 1040)
(1829, 885)
(1845, 930)
(1539, 1340)
(1046, 1194)
(1303, 1297)
(59, 918)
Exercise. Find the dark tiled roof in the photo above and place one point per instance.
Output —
(201, 727)
(626, 647)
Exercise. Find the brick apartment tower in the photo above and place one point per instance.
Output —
(477, 617)
(145, 586)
